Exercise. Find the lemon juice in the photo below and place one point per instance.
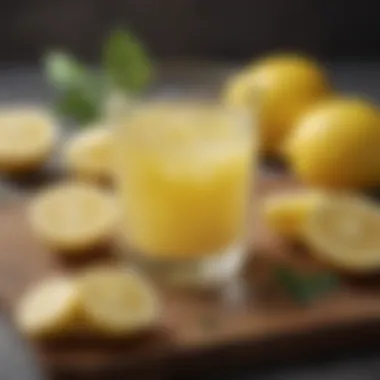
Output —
(183, 174)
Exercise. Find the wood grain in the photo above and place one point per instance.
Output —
(200, 331)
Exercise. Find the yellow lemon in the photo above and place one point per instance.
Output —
(337, 145)
(48, 308)
(27, 137)
(277, 90)
(344, 230)
(73, 216)
(117, 301)
(88, 154)
(286, 212)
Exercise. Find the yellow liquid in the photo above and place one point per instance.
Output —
(183, 178)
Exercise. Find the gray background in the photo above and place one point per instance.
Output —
(228, 29)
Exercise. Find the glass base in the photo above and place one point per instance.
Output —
(212, 270)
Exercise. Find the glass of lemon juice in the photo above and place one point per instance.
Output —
(183, 175)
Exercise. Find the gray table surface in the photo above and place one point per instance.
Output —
(24, 84)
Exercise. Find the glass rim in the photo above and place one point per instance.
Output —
(119, 105)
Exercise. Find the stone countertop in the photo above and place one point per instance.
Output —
(19, 85)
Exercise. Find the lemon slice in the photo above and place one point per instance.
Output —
(344, 230)
(27, 137)
(73, 216)
(116, 301)
(49, 307)
(286, 212)
(87, 154)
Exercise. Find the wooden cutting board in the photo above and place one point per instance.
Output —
(251, 322)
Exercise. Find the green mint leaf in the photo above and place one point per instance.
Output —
(80, 91)
(304, 289)
(322, 283)
(125, 62)
(291, 283)
(63, 70)
(79, 104)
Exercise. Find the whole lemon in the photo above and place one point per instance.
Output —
(277, 90)
(337, 144)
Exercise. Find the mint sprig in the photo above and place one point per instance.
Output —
(79, 90)
(82, 93)
(302, 288)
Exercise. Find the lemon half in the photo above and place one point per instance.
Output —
(88, 154)
(73, 216)
(49, 307)
(27, 137)
(286, 212)
(117, 301)
(344, 230)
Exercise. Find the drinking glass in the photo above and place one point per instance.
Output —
(183, 174)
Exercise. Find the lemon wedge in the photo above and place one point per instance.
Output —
(117, 301)
(344, 230)
(27, 137)
(87, 154)
(73, 216)
(286, 212)
(49, 307)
